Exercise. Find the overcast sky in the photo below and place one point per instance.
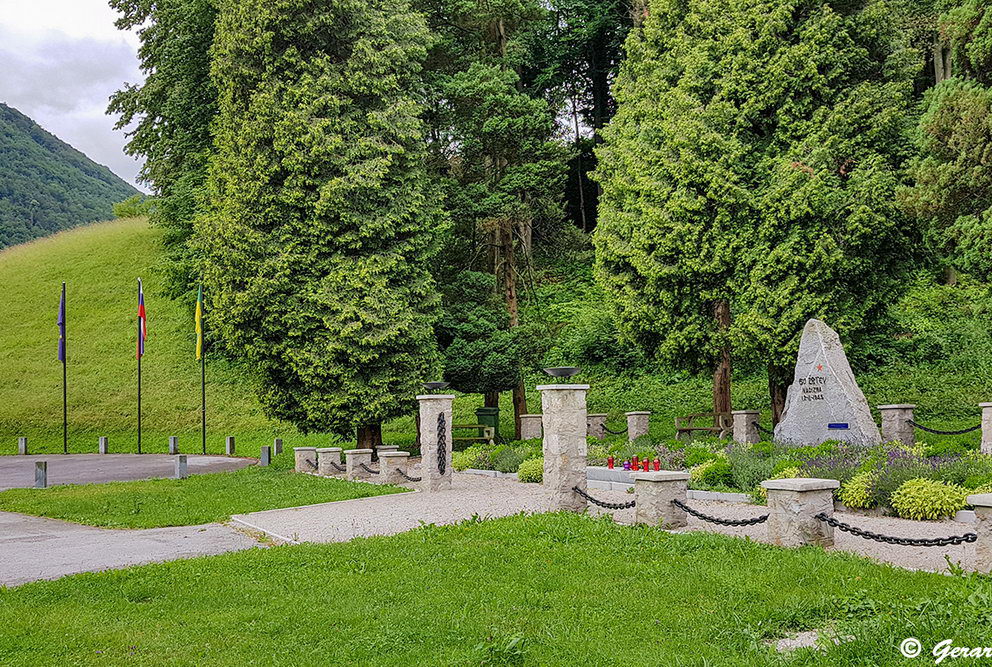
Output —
(59, 62)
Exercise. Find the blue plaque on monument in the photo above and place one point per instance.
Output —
(839, 427)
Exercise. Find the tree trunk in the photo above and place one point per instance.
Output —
(778, 385)
(491, 399)
(722, 370)
(370, 437)
(508, 276)
(519, 407)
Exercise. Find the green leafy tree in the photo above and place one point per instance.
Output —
(323, 222)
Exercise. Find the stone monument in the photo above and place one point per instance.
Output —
(824, 401)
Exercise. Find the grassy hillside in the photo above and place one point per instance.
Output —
(46, 185)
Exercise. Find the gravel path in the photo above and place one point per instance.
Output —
(33, 548)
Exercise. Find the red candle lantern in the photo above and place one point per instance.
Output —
(609, 462)
(657, 465)
(635, 463)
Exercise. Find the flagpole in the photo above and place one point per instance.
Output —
(65, 391)
(139, 366)
(203, 399)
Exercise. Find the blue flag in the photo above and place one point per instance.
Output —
(61, 323)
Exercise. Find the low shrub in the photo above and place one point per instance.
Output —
(508, 460)
(714, 472)
(749, 468)
(531, 470)
(696, 454)
(926, 499)
(859, 492)
(763, 448)
(472, 457)
(948, 448)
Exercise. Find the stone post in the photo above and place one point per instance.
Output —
(986, 427)
(229, 445)
(563, 407)
(637, 424)
(745, 431)
(327, 458)
(305, 459)
(390, 465)
(277, 446)
(266, 456)
(530, 427)
(654, 493)
(793, 504)
(353, 460)
(22, 446)
(182, 472)
(983, 528)
(596, 426)
(435, 457)
(103, 445)
(41, 474)
(386, 448)
(173, 444)
(895, 424)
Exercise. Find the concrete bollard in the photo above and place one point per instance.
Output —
(793, 504)
(637, 424)
(386, 448)
(353, 460)
(327, 457)
(986, 427)
(654, 493)
(305, 459)
(229, 445)
(564, 417)
(173, 445)
(390, 465)
(265, 458)
(182, 471)
(41, 474)
(435, 453)
(983, 528)
(277, 446)
(530, 427)
(745, 431)
(895, 423)
(22, 446)
(596, 426)
(103, 445)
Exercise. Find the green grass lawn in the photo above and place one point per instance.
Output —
(188, 502)
(547, 589)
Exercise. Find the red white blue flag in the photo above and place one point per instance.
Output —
(142, 324)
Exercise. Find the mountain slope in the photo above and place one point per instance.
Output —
(46, 185)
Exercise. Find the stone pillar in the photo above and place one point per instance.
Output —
(22, 446)
(182, 472)
(745, 431)
(305, 459)
(353, 460)
(530, 427)
(41, 474)
(895, 424)
(386, 448)
(103, 445)
(390, 465)
(983, 528)
(266, 456)
(229, 445)
(986, 427)
(637, 424)
(173, 444)
(792, 504)
(596, 426)
(563, 407)
(277, 446)
(327, 459)
(654, 493)
(435, 457)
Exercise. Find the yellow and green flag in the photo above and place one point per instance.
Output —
(199, 323)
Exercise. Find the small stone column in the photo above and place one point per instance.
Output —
(895, 423)
(563, 407)
(277, 446)
(229, 445)
(596, 426)
(305, 459)
(986, 427)
(265, 458)
(353, 460)
(792, 504)
(435, 457)
(654, 493)
(103, 445)
(41, 474)
(173, 444)
(745, 431)
(182, 471)
(983, 528)
(327, 459)
(22, 446)
(637, 424)
(390, 465)
(386, 448)
(530, 427)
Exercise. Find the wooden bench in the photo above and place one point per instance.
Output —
(723, 425)
(485, 434)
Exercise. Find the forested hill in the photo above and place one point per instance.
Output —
(46, 185)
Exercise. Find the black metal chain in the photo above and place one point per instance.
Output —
(310, 463)
(405, 476)
(609, 506)
(368, 469)
(337, 467)
(936, 432)
(442, 445)
(722, 522)
(901, 541)
(762, 429)
(610, 430)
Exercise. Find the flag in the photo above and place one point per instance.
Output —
(61, 323)
(199, 323)
(142, 325)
